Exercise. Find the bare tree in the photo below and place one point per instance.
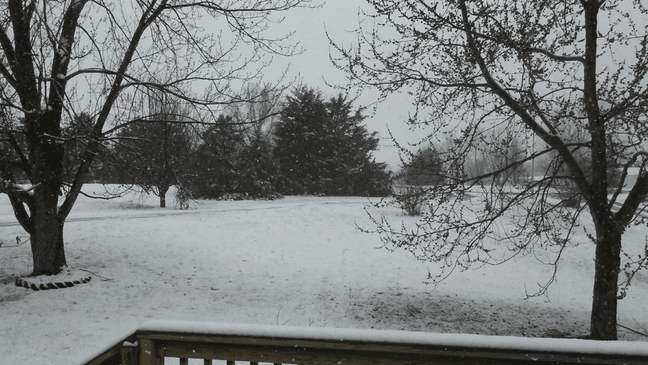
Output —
(260, 114)
(154, 152)
(64, 58)
(544, 67)
(500, 149)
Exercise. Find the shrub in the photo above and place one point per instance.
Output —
(411, 200)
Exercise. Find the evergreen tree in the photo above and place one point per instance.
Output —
(259, 169)
(424, 168)
(216, 163)
(323, 148)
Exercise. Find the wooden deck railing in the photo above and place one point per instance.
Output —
(254, 344)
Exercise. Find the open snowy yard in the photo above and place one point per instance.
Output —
(296, 261)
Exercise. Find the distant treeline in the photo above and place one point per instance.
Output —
(299, 144)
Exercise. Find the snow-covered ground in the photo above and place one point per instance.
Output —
(296, 261)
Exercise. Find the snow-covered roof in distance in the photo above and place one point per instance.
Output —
(468, 341)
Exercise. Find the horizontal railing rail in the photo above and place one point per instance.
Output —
(232, 344)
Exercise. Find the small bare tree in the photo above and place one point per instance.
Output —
(501, 148)
(260, 114)
(153, 152)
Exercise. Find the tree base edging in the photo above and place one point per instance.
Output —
(66, 279)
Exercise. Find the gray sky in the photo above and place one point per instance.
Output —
(313, 67)
(340, 18)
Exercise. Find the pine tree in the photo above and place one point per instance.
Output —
(323, 148)
(216, 163)
(424, 168)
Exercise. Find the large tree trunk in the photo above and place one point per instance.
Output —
(606, 274)
(47, 154)
(47, 237)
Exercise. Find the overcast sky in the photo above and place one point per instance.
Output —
(340, 18)
(313, 67)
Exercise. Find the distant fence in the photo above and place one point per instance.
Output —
(232, 344)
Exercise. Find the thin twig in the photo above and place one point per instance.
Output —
(19, 242)
(631, 330)
(101, 277)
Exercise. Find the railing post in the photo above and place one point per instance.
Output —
(150, 353)
(129, 353)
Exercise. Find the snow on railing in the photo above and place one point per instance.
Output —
(230, 343)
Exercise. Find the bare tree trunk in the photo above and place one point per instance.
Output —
(163, 191)
(166, 165)
(606, 274)
(47, 237)
(47, 176)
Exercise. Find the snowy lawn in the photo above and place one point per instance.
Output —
(296, 261)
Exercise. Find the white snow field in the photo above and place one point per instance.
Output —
(298, 261)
